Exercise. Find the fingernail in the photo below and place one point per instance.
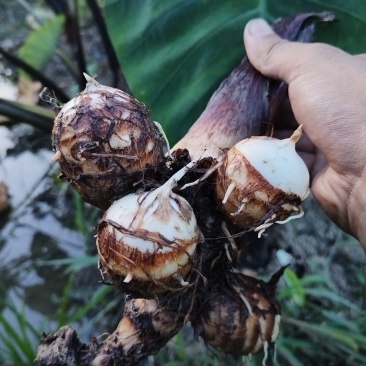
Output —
(258, 28)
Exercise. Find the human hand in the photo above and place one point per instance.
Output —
(327, 92)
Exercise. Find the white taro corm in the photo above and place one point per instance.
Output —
(263, 181)
(150, 238)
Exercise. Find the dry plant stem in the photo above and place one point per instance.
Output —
(4, 200)
(246, 103)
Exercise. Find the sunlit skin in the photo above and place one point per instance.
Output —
(327, 95)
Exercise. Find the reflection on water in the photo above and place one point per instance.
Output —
(39, 226)
(7, 90)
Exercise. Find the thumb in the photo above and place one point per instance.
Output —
(269, 54)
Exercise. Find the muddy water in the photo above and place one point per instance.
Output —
(46, 221)
(38, 227)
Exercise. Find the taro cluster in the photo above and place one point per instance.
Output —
(176, 220)
(149, 241)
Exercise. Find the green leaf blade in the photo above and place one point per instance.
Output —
(41, 43)
(176, 53)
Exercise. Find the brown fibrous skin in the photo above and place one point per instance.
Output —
(118, 259)
(105, 141)
(226, 322)
(148, 240)
(261, 202)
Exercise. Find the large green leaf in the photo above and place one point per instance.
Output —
(41, 43)
(175, 53)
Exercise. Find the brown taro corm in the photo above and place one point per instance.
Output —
(105, 141)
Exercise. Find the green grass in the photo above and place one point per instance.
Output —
(19, 339)
(319, 324)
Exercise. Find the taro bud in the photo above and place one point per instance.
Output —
(239, 315)
(263, 181)
(105, 141)
(148, 240)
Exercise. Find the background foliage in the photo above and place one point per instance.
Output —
(175, 53)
